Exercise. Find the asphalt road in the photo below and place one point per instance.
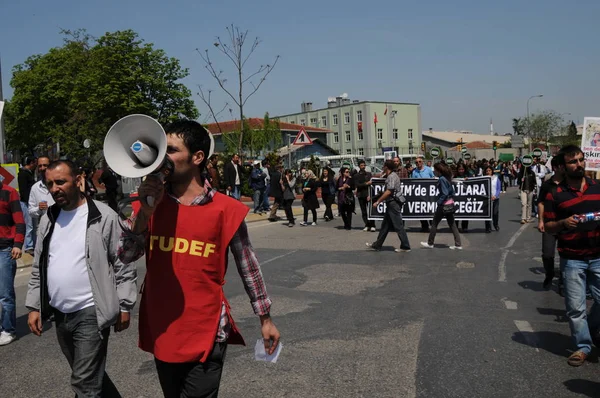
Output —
(355, 323)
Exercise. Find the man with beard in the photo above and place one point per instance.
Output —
(186, 237)
(232, 174)
(578, 247)
(77, 277)
(39, 197)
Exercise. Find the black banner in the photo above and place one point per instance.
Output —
(472, 198)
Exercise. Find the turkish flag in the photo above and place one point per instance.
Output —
(360, 127)
(375, 118)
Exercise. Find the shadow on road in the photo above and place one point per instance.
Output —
(537, 270)
(584, 387)
(23, 330)
(560, 315)
(553, 342)
(536, 286)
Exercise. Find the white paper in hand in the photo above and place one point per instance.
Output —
(261, 355)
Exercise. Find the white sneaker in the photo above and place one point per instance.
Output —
(365, 228)
(402, 250)
(6, 338)
(455, 247)
(373, 229)
(427, 245)
(314, 223)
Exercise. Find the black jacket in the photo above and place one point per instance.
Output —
(275, 191)
(229, 174)
(360, 180)
(310, 200)
(528, 180)
(26, 181)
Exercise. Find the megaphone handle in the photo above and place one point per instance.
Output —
(150, 201)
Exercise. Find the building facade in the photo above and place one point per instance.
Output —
(365, 128)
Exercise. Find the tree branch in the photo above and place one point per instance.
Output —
(268, 70)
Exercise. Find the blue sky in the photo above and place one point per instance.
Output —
(464, 61)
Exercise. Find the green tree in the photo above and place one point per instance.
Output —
(572, 132)
(80, 89)
(544, 126)
(255, 141)
(517, 125)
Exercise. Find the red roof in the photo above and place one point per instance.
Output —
(473, 145)
(257, 124)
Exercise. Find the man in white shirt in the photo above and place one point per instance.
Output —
(77, 277)
(39, 197)
(540, 173)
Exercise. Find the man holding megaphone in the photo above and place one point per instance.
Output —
(188, 229)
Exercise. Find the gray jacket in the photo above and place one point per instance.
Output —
(113, 283)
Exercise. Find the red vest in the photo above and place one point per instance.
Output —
(186, 262)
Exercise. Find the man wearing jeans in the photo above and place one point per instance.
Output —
(77, 277)
(578, 247)
(393, 213)
(12, 236)
(233, 177)
(26, 181)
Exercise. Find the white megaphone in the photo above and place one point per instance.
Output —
(136, 146)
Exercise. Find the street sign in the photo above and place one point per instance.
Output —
(464, 150)
(434, 152)
(9, 173)
(302, 138)
(467, 156)
(517, 141)
(450, 161)
(527, 160)
(537, 152)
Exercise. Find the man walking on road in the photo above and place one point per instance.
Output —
(422, 171)
(393, 213)
(77, 277)
(26, 180)
(362, 180)
(233, 177)
(185, 321)
(12, 236)
(276, 191)
(578, 247)
(39, 197)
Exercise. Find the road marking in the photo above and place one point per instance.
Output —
(510, 305)
(505, 250)
(527, 333)
(278, 257)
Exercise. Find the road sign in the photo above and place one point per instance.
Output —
(517, 141)
(464, 150)
(8, 174)
(302, 138)
(467, 156)
(537, 152)
(450, 161)
(434, 152)
(527, 160)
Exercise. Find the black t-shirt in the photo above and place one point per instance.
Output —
(548, 186)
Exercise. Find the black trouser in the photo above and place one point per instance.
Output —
(424, 225)
(314, 214)
(365, 216)
(495, 214)
(548, 251)
(328, 201)
(392, 220)
(192, 379)
(346, 212)
(463, 224)
(287, 207)
(85, 349)
(437, 218)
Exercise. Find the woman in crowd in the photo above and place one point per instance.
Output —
(289, 183)
(506, 174)
(495, 198)
(327, 183)
(346, 202)
(310, 200)
(445, 206)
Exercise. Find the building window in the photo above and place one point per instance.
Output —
(348, 136)
(346, 117)
(348, 151)
(335, 121)
(336, 138)
(395, 134)
(410, 135)
(292, 121)
(380, 134)
(361, 136)
(359, 116)
(313, 121)
(323, 121)
(302, 122)
(361, 151)
(410, 150)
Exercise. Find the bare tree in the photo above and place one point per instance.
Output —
(233, 49)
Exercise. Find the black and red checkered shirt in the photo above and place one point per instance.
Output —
(582, 242)
(12, 224)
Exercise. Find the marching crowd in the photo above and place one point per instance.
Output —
(84, 275)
